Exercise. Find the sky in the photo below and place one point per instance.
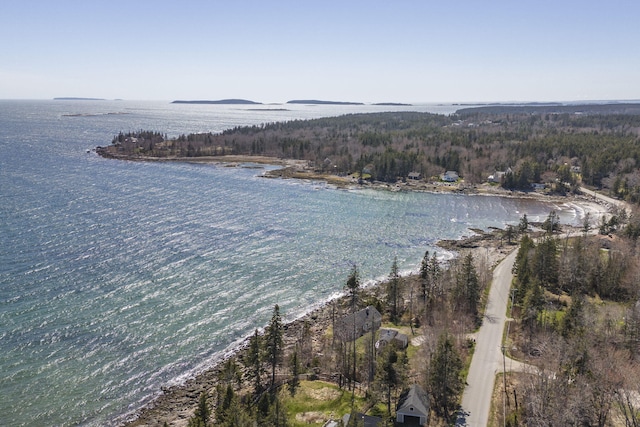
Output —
(365, 51)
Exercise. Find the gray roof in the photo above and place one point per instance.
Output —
(414, 402)
(362, 321)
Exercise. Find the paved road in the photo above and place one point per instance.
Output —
(607, 199)
(487, 359)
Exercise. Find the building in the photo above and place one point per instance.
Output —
(413, 407)
(353, 326)
(498, 176)
(449, 176)
(392, 336)
(415, 176)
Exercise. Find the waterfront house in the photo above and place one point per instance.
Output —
(449, 176)
(416, 176)
(353, 326)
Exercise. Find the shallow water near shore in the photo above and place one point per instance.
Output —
(118, 278)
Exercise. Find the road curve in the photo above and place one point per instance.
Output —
(487, 358)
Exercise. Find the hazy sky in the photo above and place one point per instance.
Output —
(367, 51)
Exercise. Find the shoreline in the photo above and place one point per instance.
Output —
(175, 404)
(299, 169)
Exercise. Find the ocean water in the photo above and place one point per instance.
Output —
(118, 278)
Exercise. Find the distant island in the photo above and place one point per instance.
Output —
(317, 102)
(392, 104)
(70, 98)
(220, 101)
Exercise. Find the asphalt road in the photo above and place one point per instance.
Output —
(487, 359)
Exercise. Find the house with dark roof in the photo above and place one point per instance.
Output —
(392, 336)
(413, 407)
(353, 326)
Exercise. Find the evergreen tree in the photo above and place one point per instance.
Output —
(273, 342)
(425, 276)
(435, 272)
(552, 223)
(467, 289)
(387, 374)
(572, 321)
(253, 363)
(294, 383)
(202, 414)
(545, 262)
(532, 306)
(393, 292)
(352, 286)
(523, 226)
(226, 404)
(445, 377)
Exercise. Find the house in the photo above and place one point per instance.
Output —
(413, 407)
(353, 326)
(497, 176)
(392, 336)
(361, 420)
(416, 176)
(449, 176)
(538, 186)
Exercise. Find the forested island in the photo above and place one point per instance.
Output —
(574, 302)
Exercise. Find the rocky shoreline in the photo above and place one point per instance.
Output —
(176, 404)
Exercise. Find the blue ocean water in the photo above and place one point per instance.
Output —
(118, 278)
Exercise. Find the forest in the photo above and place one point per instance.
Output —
(599, 149)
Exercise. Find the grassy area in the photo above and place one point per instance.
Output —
(316, 402)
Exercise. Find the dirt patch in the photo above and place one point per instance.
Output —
(314, 417)
(323, 394)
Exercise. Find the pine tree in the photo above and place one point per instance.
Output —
(352, 286)
(393, 292)
(295, 374)
(445, 376)
(387, 375)
(467, 288)
(425, 276)
(545, 262)
(273, 342)
(253, 362)
(202, 414)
